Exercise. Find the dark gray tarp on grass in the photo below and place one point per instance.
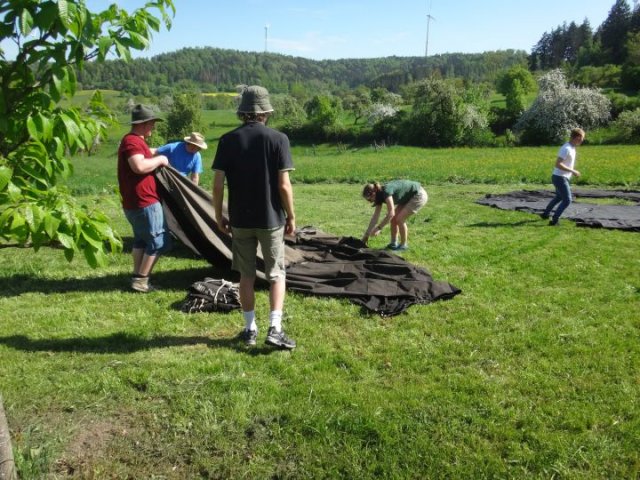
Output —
(620, 217)
(316, 263)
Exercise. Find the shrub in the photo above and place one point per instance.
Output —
(621, 102)
(628, 126)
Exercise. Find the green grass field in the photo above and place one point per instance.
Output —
(532, 372)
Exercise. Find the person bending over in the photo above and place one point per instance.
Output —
(403, 198)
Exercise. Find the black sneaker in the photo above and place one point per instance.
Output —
(544, 216)
(249, 337)
(279, 339)
(554, 222)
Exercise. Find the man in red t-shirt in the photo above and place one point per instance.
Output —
(140, 198)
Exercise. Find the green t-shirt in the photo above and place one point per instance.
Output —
(401, 190)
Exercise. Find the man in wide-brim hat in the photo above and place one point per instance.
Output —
(255, 161)
(185, 156)
(140, 197)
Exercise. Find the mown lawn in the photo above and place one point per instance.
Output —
(532, 372)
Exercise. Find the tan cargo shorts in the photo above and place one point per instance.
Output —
(244, 247)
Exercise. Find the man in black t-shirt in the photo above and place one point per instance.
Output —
(255, 160)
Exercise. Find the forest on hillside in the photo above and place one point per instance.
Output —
(217, 70)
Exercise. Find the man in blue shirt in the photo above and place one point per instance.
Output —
(185, 156)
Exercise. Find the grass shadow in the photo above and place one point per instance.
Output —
(179, 249)
(19, 284)
(122, 342)
(509, 224)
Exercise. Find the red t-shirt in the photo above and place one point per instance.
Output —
(136, 190)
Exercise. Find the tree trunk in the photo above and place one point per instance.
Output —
(7, 465)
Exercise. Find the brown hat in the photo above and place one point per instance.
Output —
(255, 99)
(142, 113)
(196, 139)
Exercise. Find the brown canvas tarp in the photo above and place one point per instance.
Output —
(316, 263)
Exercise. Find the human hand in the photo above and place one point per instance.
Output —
(164, 161)
(223, 225)
(576, 173)
(290, 226)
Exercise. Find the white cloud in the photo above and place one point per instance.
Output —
(312, 42)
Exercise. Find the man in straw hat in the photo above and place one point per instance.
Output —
(185, 156)
(140, 198)
(255, 161)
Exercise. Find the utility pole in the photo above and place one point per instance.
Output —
(266, 36)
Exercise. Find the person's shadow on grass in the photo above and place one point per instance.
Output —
(180, 280)
(123, 342)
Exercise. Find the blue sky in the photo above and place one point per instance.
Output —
(331, 29)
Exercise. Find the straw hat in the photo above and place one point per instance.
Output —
(142, 113)
(255, 99)
(196, 139)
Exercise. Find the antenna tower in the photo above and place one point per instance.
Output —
(266, 37)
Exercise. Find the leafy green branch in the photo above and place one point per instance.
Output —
(38, 133)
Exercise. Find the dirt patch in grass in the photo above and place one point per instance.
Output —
(91, 445)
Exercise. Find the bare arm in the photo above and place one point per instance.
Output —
(560, 164)
(141, 165)
(218, 198)
(372, 224)
(286, 196)
(195, 178)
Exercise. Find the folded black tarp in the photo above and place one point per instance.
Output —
(620, 217)
(316, 263)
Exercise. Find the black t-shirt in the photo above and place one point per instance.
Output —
(251, 156)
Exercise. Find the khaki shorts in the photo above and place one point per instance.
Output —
(244, 247)
(418, 201)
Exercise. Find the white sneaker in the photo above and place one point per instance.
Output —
(142, 284)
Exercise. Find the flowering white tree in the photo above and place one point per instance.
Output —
(559, 108)
(379, 111)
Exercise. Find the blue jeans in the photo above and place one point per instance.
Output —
(149, 229)
(562, 197)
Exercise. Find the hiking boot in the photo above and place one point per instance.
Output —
(279, 339)
(248, 337)
(142, 284)
(391, 246)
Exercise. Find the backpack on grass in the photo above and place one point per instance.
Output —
(211, 295)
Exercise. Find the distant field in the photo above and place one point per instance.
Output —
(612, 166)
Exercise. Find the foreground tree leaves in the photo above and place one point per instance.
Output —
(38, 133)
